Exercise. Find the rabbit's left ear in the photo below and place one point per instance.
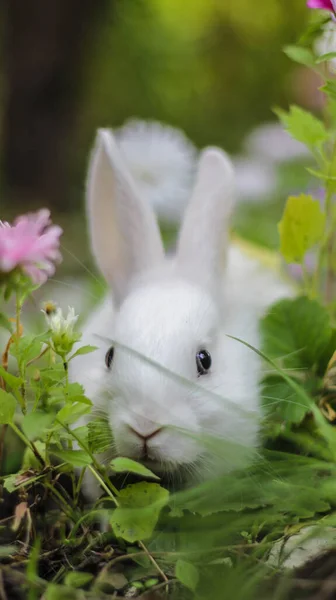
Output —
(203, 237)
(124, 233)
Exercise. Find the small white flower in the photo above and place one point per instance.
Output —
(272, 143)
(63, 334)
(255, 180)
(327, 43)
(162, 161)
(60, 324)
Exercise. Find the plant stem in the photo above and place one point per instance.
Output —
(326, 246)
(66, 375)
(103, 484)
(17, 318)
(28, 443)
(17, 338)
(62, 500)
(79, 485)
(153, 561)
(112, 490)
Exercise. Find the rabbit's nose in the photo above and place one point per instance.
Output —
(147, 437)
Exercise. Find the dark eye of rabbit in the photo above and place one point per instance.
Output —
(203, 361)
(109, 357)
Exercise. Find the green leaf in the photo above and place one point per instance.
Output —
(7, 407)
(80, 432)
(77, 579)
(301, 227)
(10, 482)
(301, 55)
(5, 323)
(70, 413)
(75, 389)
(303, 126)
(83, 350)
(138, 513)
(320, 174)
(120, 465)
(314, 29)
(54, 374)
(76, 458)
(327, 354)
(29, 347)
(70, 399)
(100, 436)
(13, 381)
(297, 331)
(325, 57)
(35, 423)
(329, 88)
(30, 461)
(282, 403)
(187, 574)
(55, 592)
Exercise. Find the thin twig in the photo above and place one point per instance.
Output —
(153, 561)
(30, 362)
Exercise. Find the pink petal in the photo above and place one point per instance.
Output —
(32, 243)
(322, 4)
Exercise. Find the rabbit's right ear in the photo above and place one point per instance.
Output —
(203, 240)
(125, 236)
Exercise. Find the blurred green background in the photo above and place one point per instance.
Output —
(214, 68)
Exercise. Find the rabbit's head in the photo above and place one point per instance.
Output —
(164, 366)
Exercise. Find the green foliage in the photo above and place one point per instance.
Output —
(298, 334)
(282, 405)
(7, 407)
(83, 350)
(13, 381)
(301, 227)
(35, 423)
(187, 574)
(76, 458)
(303, 126)
(5, 323)
(77, 579)
(212, 537)
(122, 465)
(296, 331)
(138, 512)
(325, 57)
(301, 55)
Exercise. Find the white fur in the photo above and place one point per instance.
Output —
(165, 310)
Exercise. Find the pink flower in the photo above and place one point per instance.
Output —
(32, 244)
(322, 4)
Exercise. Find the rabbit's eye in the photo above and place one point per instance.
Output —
(203, 361)
(109, 357)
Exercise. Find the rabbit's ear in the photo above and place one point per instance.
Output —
(203, 239)
(125, 236)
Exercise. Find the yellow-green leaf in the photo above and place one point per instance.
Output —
(138, 512)
(300, 54)
(303, 126)
(301, 227)
(7, 407)
(76, 458)
(121, 465)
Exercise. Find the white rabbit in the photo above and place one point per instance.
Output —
(174, 312)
